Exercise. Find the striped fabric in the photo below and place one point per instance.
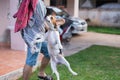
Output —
(35, 25)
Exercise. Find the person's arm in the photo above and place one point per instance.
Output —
(60, 21)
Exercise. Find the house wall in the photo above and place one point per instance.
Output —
(69, 7)
(47, 2)
(4, 21)
(73, 7)
(17, 42)
(101, 17)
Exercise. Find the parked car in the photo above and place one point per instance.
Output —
(76, 25)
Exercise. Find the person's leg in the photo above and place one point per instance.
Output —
(27, 72)
(43, 66)
(45, 60)
(30, 62)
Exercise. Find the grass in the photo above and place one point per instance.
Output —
(93, 63)
(108, 30)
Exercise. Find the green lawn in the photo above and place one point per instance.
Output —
(93, 63)
(108, 30)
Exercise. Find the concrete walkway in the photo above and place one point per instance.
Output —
(77, 43)
(80, 42)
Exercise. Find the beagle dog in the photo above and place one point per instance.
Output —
(55, 47)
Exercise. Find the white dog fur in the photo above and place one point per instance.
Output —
(54, 46)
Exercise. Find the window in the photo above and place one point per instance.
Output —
(58, 3)
(101, 2)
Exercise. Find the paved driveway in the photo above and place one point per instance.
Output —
(85, 40)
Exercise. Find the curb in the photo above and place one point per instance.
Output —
(14, 75)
